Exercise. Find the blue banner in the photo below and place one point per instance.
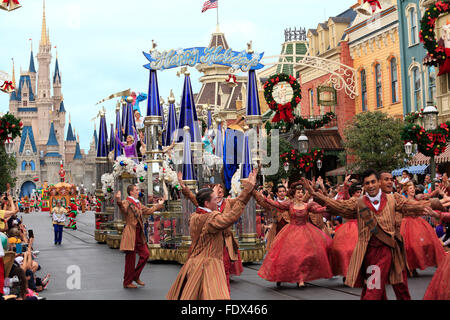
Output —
(202, 55)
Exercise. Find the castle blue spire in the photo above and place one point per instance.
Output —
(52, 141)
(61, 107)
(95, 138)
(78, 155)
(57, 75)
(70, 136)
(188, 113)
(153, 105)
(171, 126)
(253, 107)
(32, 67)
(102, 145)
(188, 167)
(246, 167)
(117, 148)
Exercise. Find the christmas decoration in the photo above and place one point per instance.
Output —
(302, 161)
(302, 122)
(10, 128)
(7, 87)
(438, 51)
(9, 5)
(283, 111)
(373, 4)
(429, 143)
(413, 116)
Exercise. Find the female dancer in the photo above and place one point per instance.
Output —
(300, 252)
(345, 239)
(130, 147)
(439, 288)
(423, 248)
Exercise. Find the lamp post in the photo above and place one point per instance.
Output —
(9, 146)
(408, 148)
(430, 119)
(303, 143)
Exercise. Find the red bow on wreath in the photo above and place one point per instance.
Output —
(374, 4)
(284, 113)
(9, 5)
(7, 87)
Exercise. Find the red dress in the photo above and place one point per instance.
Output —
(344, 243)
(423, 248)
(439, 288)
(300, 252)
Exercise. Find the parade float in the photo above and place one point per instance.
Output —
(61, 192)
(167, 231)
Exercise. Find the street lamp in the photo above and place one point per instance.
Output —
(430, 120)
(9, 146)
(408, 148)
(286, 167)
(303, 143)
(319, 164)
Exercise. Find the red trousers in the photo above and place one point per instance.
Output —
(379, 255)
(227, 265)
(2, 275)
(133, 272)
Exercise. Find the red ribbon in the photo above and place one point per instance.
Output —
(284, 113)
(9, 1)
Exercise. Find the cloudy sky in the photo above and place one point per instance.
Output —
(100, 42)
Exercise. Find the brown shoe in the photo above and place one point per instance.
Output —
(139, 282)
(130, 286)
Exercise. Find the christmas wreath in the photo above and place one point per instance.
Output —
(302, 161)
(283, 111)
(10, 128)
(429, 143)
(303, 123)
(436, 49)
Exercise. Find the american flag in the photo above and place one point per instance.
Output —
(210, 4)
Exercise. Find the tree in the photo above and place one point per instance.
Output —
(374, 140)
(7, 169)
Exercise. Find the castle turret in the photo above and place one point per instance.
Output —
(53, 158)
(32, 71)
(70, 144)
(43, 94)
(57, 96)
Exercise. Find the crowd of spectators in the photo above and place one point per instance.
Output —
(19, 268)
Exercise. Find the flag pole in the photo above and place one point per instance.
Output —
(217, 15)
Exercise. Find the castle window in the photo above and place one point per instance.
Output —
(25, 94)
(24, 165)
(25, 103)
(33, 166)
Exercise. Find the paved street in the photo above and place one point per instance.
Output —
(102, 271)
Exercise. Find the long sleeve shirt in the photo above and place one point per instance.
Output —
(59, 216)
(129, 150)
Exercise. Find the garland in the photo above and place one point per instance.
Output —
(302, 161)
(10, 128)
(413, 116)
(429, 143)
(283, 111)
(427, 34)
(302, 122)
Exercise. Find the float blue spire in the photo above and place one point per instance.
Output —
(117, 148)
(111, 139)
(102, 146)
(124, 114)
(253, 107)
(246, 167)
(130, 126)
(171, 126)
(188, 114)
(188, 167)
(219, 141)
(209, 120)
(153, 104)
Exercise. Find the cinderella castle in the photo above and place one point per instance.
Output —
(44, 147)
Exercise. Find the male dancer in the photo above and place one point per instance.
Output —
(133, 238)
(203, 275)
(379, 245)
(280, 218)
(231, 256)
